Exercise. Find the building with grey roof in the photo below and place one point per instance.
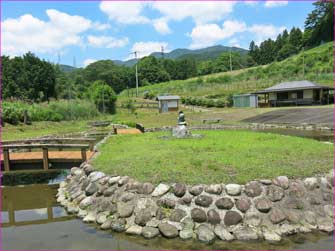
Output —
(295, 93)
(168, 103)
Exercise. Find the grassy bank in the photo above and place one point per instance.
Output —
(319, 63)
(147, 117)
(220, 156)
(44, 128)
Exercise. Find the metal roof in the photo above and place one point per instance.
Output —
(294, 85)
(168, 97)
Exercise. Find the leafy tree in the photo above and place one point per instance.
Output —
(118, 77)
(285, 36)
(103, 96)
(186, 68)
(319, 25)
(28, 77)
(206, 67)
(296, 38)
(150, 69)
(287, 51)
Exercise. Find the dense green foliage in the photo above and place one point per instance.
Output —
(319, 25)
(13, 112)
(210, 101)
(27, 78)
(318, 29)
(318, 67)
(219, 156)
(103, 96)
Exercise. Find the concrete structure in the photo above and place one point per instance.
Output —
(168, 103)
(245, 100)
(295, 93)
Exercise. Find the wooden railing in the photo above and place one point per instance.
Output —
(89, 141)
(45, 149)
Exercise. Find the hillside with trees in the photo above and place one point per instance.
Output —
(217, 89)
(294, 54)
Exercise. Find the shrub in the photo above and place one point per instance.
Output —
(103, 96)
(12, 112)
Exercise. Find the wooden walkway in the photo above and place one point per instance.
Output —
(128, 131)
(53, 155)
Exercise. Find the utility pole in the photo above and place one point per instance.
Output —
(136, 74)
(303, 62)
(231, 66)
(74, 62)
(162, 51)
(58, 58)
(103, 99)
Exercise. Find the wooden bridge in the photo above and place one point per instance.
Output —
(30, 154)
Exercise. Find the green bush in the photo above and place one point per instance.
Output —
(12, 112)
(103, 96)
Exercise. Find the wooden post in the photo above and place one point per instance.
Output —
(45, 159)
(83, 154)
(6, 159)
(11, 213)
(91, 146)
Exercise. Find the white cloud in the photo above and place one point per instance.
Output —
(146, 48)
(209, 34)
(125, 12)
(89, 61)
(272, 4)
(250, 3)
(107, 42)
(131, 12)
(28, 33)
(101, 27)
(265, 31)
(161, 26)
(234, 42)
(200, 12)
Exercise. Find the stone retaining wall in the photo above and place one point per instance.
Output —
(260, 209)
(308, 127)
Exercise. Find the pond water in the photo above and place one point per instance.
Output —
(32, 219)
(324, 136)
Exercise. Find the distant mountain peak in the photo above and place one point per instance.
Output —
(207, 53)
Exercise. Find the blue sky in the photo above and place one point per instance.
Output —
(89, 31)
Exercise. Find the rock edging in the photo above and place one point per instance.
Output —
(260, 209)
(255, 126)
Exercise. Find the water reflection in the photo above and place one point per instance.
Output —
(32, 219)
(30, 205)
(324, 136)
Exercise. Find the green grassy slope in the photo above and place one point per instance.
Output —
(319, 63)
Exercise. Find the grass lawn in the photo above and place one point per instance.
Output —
(218, 157)
(147, 117)
(44, 128)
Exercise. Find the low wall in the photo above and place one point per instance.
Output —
(308, 127)
(260, 209)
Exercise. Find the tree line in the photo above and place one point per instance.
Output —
(318, 29)
(33, 79)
